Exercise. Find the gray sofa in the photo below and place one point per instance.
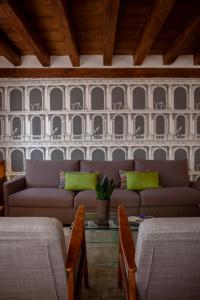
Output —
(37, 193)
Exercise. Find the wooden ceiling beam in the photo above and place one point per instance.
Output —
(20, 23)
(62, 17)
(152, 28)
(110, 17)
(9, 52)
(183, 40)
(197, 59)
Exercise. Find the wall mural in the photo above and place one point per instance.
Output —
(99, 119)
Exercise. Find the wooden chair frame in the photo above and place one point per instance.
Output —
(126, 264)
(76, 266)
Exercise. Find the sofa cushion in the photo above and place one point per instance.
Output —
(78, 181)
(42, 197)
(142, 180)
(111, 168)
(170, 196)
(172, 173)
(46, 173)
(123, 197)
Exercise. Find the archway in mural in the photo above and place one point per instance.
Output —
(36, 126)
(159, 98)
(1, 101)
(160, 125)
(15, 100)
(97, 98)
(160, 154)
(35, 99)
(118, 126)
(197, 98)
(197, 160)
(16, 127)
(98, 126)
(56, 99)
(76, 99)
(139, 154)
(117, 97)
(118, 154)
(98, 154)
(180, 126)
(180, 154)
(198, 125)
(56, 127)
(1, 127)
(36, 155)
(139, 126)
(57, 154)
(77, 125)
(77, 154)
(1, 155)
(17, 161)
(139, 98)
(180, 98)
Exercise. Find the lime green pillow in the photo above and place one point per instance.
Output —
(142, 180)
(78, 181)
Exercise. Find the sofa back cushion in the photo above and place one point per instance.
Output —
(110, 168)
(172, 173)
(46, 173)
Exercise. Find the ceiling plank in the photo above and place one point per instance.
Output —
(153, 26)
(100, 73)
(9, 52)
(183, 40)
(62, 17)
(20, 23)
(197, 59)
(110, 16)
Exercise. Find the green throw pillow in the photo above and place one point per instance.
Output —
(142, 180)
(78, 181)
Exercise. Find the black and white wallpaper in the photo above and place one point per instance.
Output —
(99, 119)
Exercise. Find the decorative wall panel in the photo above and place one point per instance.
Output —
(99, 119)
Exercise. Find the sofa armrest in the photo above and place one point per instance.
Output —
(195, 185)
(11, 187)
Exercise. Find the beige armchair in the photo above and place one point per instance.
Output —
(37, 262)
(166, 262)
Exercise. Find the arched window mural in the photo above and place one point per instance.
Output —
(139, 127)
(57, 154)
(119, 126)
(16, 128)
(1, 101)
(1, 127)
(15, 100)
(160, 154)
(118, 154)
(35, 97)
(17, 161)
(56, 127)
(139, 98)
(159, 98)
(117, 96)
(160, 125)
(97, 98)
(180, 98)
(139, 154)
(76, 99)
(180, 154)
(98, 127)
(197, 98)
(98, 154)
(198, 125)
(36, 155)
(180, 126)
(56, 99)
(1, 155)
(197, 160)
(77, 154)
(77, 126)
(36, 127)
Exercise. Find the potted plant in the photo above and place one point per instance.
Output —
(104, 189)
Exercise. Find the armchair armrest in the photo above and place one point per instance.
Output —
(195, 185)
(11, 187)
(126, 266)
(76, 265)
